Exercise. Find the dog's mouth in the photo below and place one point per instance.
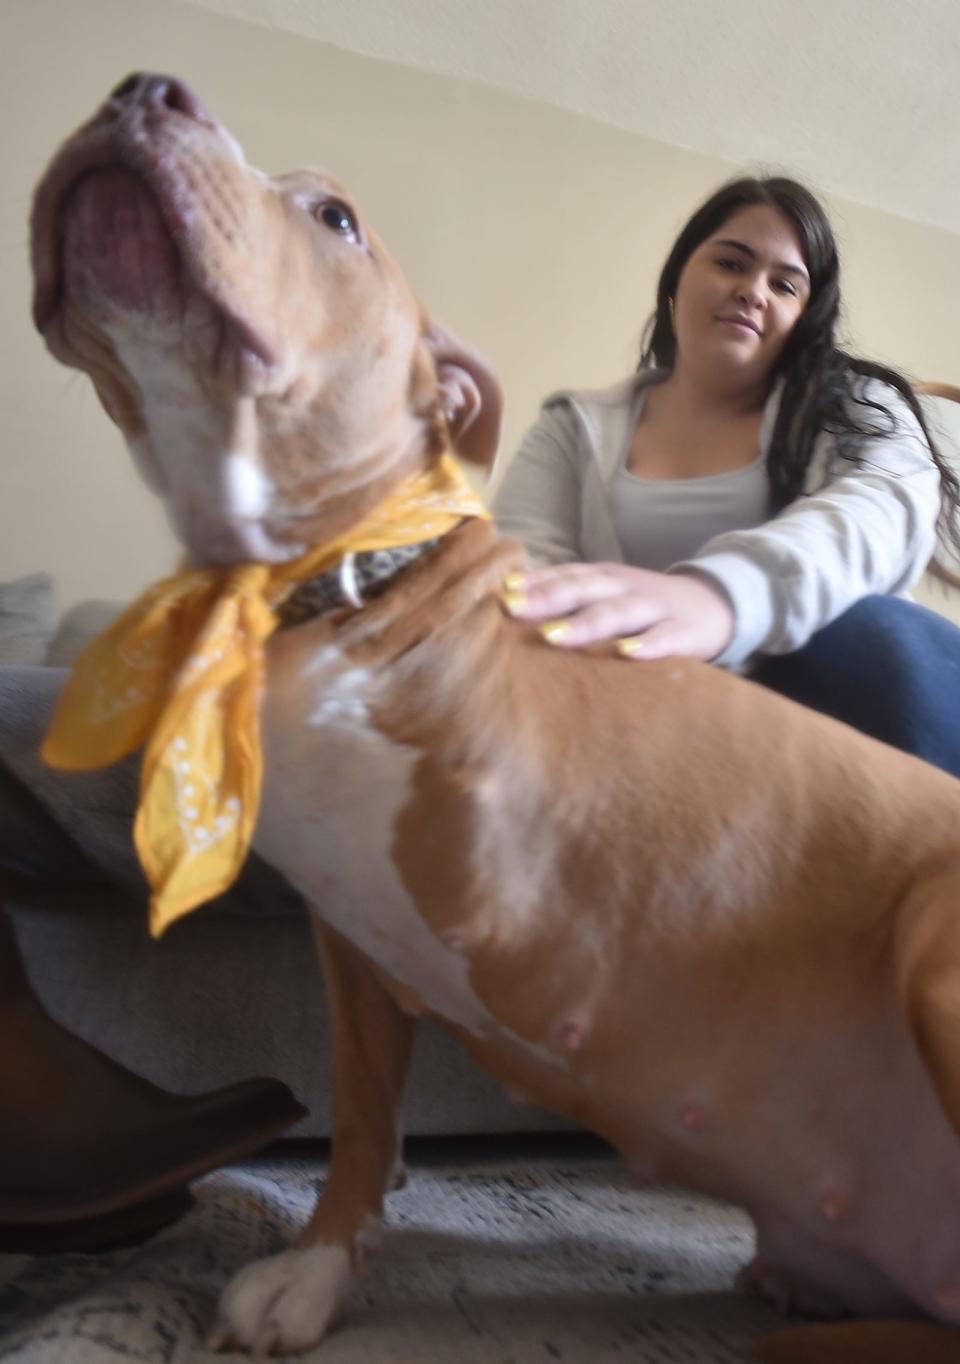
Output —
(115, 248)
(110, 239)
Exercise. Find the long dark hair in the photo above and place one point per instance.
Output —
(817, 373)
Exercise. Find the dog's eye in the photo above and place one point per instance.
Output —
(338, 218)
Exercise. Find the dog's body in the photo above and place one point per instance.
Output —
(717, 929)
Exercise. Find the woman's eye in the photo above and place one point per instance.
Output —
(787, 286)
(728, 263)
(338, 218)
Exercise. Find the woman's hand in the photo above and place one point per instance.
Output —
(650, 615)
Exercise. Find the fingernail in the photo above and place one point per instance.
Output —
(514, 581)
(555, 631)
(631, 646)
(514, 601)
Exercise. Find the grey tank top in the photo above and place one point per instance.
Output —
(662, 521)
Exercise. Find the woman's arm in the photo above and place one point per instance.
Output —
(870, 528)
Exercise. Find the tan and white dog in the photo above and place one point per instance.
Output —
(718, 929)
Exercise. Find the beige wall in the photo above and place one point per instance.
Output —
(536, 234)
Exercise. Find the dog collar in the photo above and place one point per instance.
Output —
(357, 579)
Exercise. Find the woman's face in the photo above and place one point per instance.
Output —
(741, 293)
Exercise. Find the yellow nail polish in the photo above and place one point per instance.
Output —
(631, 646)
(514, 601)
(555, 631)
(513, 582)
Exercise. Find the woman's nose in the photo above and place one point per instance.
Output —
(751, 291)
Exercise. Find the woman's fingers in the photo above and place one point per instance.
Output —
(649, 615)
(577, 604)
(609, 619)
(666, 639)
(698, 624)
(561, 591)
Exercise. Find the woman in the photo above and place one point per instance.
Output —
(753, 496)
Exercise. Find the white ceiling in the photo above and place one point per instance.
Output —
(859, 97)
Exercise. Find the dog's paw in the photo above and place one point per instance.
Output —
(283, 1304)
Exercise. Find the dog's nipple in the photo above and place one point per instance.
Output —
(947, 1298)
(693, 1117)
(571, 1034)
(834, 1204)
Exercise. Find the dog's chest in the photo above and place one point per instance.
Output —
(334, 786)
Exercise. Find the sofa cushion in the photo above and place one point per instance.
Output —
(79, 625)
(27, 610)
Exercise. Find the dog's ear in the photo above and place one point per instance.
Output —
(470, 397)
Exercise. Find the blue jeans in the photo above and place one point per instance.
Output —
(887, 667)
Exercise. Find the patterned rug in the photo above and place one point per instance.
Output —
(528, 1262)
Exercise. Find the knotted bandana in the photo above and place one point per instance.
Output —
(181, 673)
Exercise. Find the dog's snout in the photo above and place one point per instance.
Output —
(156, 93)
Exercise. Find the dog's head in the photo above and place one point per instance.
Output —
(261, 351)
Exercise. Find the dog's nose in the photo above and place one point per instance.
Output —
(156, 93)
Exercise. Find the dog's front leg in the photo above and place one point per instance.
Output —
(287, 1302)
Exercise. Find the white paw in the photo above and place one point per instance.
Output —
(283, 1304)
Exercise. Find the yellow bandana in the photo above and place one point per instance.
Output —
(181, 671)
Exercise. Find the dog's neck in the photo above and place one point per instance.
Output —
(214, 450)
(356, 580)
(236, 472)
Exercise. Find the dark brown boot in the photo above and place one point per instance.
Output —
(88, 1150)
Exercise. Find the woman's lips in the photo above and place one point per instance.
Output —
(741, 325)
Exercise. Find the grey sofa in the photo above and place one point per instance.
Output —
(232, 990)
